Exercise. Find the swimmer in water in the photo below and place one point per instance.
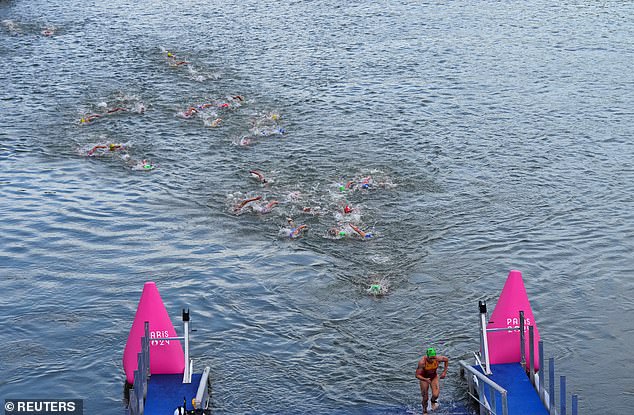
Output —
(376, 289)
(364, 183)
(216, 122)
(338, 233)
(174, 61)
(204, 106)
(237, 208)
(309, 210)
(92, 117)
(365, 235)
(147, 165)
(266, 208)
(89, 118)
(189, 112)
(110, 147)
(295, 231)
(258, 175)
(112, 111)
(245, 141)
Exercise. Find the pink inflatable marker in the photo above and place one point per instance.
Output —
(504, 346)
(166, 356)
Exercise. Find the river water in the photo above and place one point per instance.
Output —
(495, 136)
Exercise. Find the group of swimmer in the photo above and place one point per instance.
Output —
(208, 111)
(349, 223)
(15, 28)
(348, 217)
(101, 150)
(111, 148)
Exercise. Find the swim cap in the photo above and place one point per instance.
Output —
(342, 187)
(342, 233)
(347, 209)
(375, 287)
(431, 352)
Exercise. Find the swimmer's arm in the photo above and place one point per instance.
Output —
(419, 372)
(92, 150)
(244, 202)
(357, 230)
(116, 109)
(445, 360)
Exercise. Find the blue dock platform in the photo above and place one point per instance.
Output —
(165, 393)
(522, 398)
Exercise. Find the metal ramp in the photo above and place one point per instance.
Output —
(161, 394)
(522, 398)
(165, 393)
(514, 388)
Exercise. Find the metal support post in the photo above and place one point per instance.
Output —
(542, 379)
(562, 395)
(483, 336)
(551, 384)
(522, 342)
(187, 376)
(531, 353)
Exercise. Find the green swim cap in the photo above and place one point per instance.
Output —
(431, 352)
(375, 287)
(342, 233)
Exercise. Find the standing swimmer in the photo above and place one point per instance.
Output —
(427, 374)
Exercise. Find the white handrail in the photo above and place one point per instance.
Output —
(481, 377)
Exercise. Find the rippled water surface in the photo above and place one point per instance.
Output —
(497, 136)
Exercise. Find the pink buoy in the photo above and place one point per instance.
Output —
(504, 346)
(166, 356)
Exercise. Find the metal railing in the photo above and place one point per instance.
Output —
(138, 393)
(476, 378)
(537, 379)
(136, 403)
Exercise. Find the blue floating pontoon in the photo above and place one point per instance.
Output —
(165, 392)
(158, 369)
(503, 381)
(522, 398)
